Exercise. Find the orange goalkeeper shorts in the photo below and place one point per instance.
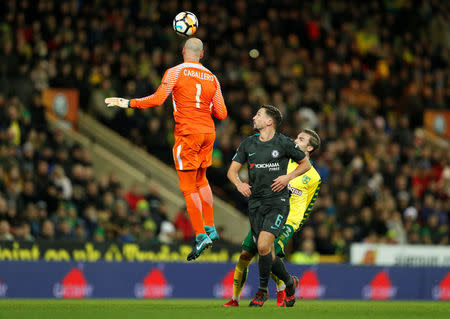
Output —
(193, 151)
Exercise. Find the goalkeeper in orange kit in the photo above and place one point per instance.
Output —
(195, 95)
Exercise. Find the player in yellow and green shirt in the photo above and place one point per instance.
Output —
(304, 190)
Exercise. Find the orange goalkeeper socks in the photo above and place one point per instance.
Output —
(194, 206)
(207, 205)
(206, 196)
(187, 182)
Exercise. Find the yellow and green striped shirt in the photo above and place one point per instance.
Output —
(304, 190)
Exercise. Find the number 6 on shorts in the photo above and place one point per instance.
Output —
(279, 220)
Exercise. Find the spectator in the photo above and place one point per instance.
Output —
(167, 233)
(307, 255)
(133, 196)
(60, 179)
(79, 232)
(22, 232)
(124, 235)
(5, 234)
(99, 235)
(48, 230)
(149, 232)
(183, 225)
(136, 230)
(322, 242)
(64, 230)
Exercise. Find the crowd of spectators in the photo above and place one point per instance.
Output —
(49, 190)
(360, 73)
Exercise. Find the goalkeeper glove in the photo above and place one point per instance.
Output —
(117, 101)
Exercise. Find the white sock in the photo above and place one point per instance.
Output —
(236, 298)
(281, 288)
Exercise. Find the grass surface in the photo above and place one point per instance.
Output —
(212, 309)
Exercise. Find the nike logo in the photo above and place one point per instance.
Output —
(251, 154)
(198, 247)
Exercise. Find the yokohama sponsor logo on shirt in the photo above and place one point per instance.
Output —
(268, 165)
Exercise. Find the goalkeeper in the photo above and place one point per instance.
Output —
(196, 95)
(304, 190)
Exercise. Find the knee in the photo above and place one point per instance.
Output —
(263, 248)
(245, 255)
(202, 184)
(187, 190)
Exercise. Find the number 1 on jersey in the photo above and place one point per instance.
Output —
(197, 96)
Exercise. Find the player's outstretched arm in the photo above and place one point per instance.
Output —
(282, 181)
(117, 101)
(243, 188)
(165, 88)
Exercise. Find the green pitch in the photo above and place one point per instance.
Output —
(211, 309)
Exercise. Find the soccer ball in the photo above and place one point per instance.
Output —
(185, 23)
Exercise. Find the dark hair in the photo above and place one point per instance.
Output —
(274, 114)
(314, 139)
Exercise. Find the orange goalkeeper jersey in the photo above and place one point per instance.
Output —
(195, 95)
